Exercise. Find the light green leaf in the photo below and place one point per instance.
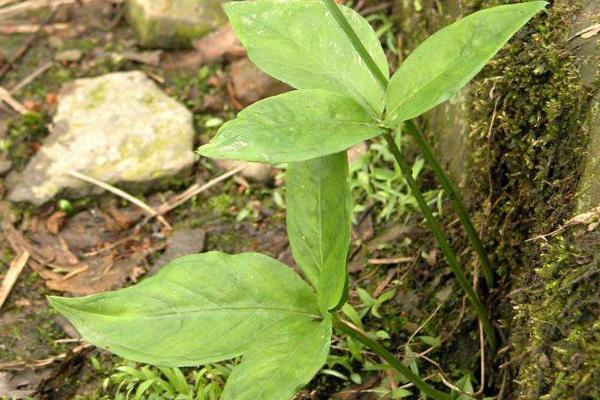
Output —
(300, 43)
(352, 315)
(196, 310)
(281, 362)
(451, 57)
(431, 341)
(293, 126)
(318, 222)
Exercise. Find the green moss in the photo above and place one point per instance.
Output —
(562, 318)
(22, 132)
(176, 25)
(525, 115)
(533, 155)
(97, 96)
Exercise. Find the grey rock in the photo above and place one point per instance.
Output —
(256, 172)
(173, 23)
(180, 243)
(118, 127)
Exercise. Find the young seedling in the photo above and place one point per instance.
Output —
(211, 307)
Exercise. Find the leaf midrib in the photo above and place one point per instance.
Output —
(357, 93)
(199, 311)
(426, 85)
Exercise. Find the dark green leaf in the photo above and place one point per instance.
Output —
(196, 310)
(451, 57)
(318, 222)
(300, 43)
(293, 126)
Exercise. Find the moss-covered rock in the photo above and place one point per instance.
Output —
(587, 50)
(118, 127)
(525, 136)
(173, 23)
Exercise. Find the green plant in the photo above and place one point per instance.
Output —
(213, 306)
(375, 180)
(134, 382)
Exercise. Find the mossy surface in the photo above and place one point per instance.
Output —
(173, 24)
(526, 115)
(558, 316)
(529, 108)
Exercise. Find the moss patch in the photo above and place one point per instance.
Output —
(562, 315)
(528, 112)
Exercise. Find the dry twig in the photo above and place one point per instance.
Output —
(27, 45)
(20, 364)
(31, 77)
(30, 5)
(196, 189)
(587, 33)
(149, 210)
(15, 269)
(393, 260)
(581, 219)
(31, 28)
(6, 97)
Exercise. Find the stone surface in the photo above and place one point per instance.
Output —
(116, 128)
(250, 84)
(173, 23)
(257, 172)
(180, 243)
(587, 50)
(450, 127)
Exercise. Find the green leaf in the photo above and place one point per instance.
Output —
(431, 341)
(196, 310)
(352, 315)
(300, 43)
(293, 126)
(451, 57)
(318, 223)
(281, 362)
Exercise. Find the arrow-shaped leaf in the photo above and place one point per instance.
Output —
(293, 126)
(318, 222)
(451, 57)
(300, 43)
(198, 309)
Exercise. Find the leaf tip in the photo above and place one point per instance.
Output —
(207, 150)
(537, 5)
(61, 304)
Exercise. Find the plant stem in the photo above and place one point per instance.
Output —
(442, 242)
(389, 357)
(455, 199)
(457, 204)
(356, 43)
(407, 172)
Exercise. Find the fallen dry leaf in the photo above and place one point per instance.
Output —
(54, 222)
(250, 84)
(219, 45)
(100, 276)
(143, 57)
